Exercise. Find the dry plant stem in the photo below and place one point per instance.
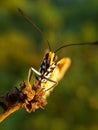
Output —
(10, 110)
(30, 98)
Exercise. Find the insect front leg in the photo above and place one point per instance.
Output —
(31, 72)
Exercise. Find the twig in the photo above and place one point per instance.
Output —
(10, 111)
(28, 97)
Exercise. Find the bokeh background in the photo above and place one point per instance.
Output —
(73, 105)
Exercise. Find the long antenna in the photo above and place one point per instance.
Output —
(34, 26)
(76, 44)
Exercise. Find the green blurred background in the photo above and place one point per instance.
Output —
(73, 105)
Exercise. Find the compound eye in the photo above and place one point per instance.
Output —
(47, 55)
(55, 58)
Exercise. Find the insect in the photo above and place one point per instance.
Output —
(51, 71)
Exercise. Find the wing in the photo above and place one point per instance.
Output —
(58, 73)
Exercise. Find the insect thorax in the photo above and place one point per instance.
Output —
(47, 66)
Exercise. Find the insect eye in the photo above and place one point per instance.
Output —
(55, 58)
(47, 55)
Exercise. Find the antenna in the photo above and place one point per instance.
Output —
(76, 44)
(34, 26)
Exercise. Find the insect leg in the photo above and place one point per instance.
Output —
(53, 86)
(55, 83)
(32, 71)
(49, 79)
